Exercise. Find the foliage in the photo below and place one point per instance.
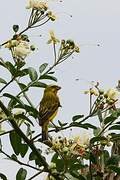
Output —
(81, 158)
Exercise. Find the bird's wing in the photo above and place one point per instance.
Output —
(48, 107)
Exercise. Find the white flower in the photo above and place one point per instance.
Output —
(22, 50)
(112, 94)
(37, 4)
(83, 141)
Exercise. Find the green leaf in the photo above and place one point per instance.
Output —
(77, 175)
(15, 28)
(75, 118)
(48, 77)
(10, 67)
(13, 157)
(15, 141)
(109, 119)
(21, 174)
(93, 158)
(85, 126)
(115, 127)
(115, 169)
(0, 144)
(14, 98)
(38, 84)
(96, 131)
(3, 81)
(115, 136)
(113, 160)
(23, 86)
(12, 104)
(97, 139)
(2, 63)
(52, 72)
(54, 158)
(23, 149)
(99, 113)
(62, 124)
(43, 67)
(22, 116)
(32, 157)
(3, 177)
(24, 72)
(32, 111)
(32, 73)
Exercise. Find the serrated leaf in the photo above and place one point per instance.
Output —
(48, 77)
(2, 81)
(15, 141)
(43, 67)
(21, 174)
(3, 177)
(32, 73)
(75, 118)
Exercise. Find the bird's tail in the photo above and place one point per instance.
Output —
(45, 132)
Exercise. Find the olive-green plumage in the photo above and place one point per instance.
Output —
(48, 108)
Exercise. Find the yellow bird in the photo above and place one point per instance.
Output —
(48, 108)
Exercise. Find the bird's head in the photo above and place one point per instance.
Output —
(52, 88)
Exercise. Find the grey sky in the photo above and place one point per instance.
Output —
(93, 22)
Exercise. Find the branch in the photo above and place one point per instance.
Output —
(21, 134)
(19, 162)
(35, 175)
(7, 85)
(63, 128)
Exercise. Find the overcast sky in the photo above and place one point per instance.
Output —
(92, 22)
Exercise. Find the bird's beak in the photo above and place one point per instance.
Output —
(58, 87)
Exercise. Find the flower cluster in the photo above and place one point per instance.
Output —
(69, 46)
(104, 99)
(71, 147)
(20, 47)
(39, 13)
(53, 39)
(37, 4)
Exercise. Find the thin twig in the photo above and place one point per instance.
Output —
(7, 84)
(35, 175)
(54, 50)
(40, 24)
